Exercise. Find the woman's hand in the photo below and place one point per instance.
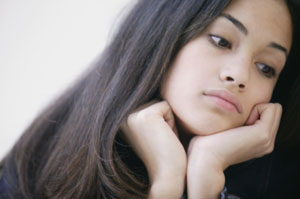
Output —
(152, 133)
(209, 156)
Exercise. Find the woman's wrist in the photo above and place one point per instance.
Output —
(205, 173)
(168, 176)
(205, 181)
(167, 186)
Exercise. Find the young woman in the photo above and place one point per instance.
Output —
(182, 93)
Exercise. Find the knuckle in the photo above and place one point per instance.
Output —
(143, 115)
(270, 149)
(131, 120)
(279, 107)
(265, 138)
(272, 106)
(140, 116)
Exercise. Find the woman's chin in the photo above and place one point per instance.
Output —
(204, 129)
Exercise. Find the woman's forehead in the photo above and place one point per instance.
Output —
(269, 18)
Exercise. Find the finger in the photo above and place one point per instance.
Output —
(266, 114)
(276, 122)
(167, 113)
(254, 115)
(277, 118)
(145, 106)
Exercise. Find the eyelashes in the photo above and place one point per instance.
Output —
(266, 70)
(222, 43)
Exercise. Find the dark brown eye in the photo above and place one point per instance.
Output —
(220, 42)
(266, 70)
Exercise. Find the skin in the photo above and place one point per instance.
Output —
(205, 64)
(222, 57)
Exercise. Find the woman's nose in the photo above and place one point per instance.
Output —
(232, 80)
(236, 76)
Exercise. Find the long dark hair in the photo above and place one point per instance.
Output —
(287, 90)
(73, 148)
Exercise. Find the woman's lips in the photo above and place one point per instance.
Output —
(224, 99)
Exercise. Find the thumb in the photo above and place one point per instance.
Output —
(254, 115)
(168, 116)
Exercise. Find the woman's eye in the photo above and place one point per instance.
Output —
(220, 42)
(266, 70)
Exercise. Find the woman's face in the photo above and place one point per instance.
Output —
(217, 78)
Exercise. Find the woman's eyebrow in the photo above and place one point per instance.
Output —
(244, 30)
(236, 22)
(278, 47)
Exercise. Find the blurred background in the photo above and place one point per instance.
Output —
(44, 46)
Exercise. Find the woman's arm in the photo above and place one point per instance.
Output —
(205, 178)
(152, 134)
(209, 156)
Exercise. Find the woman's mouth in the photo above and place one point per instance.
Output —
(224, 99)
